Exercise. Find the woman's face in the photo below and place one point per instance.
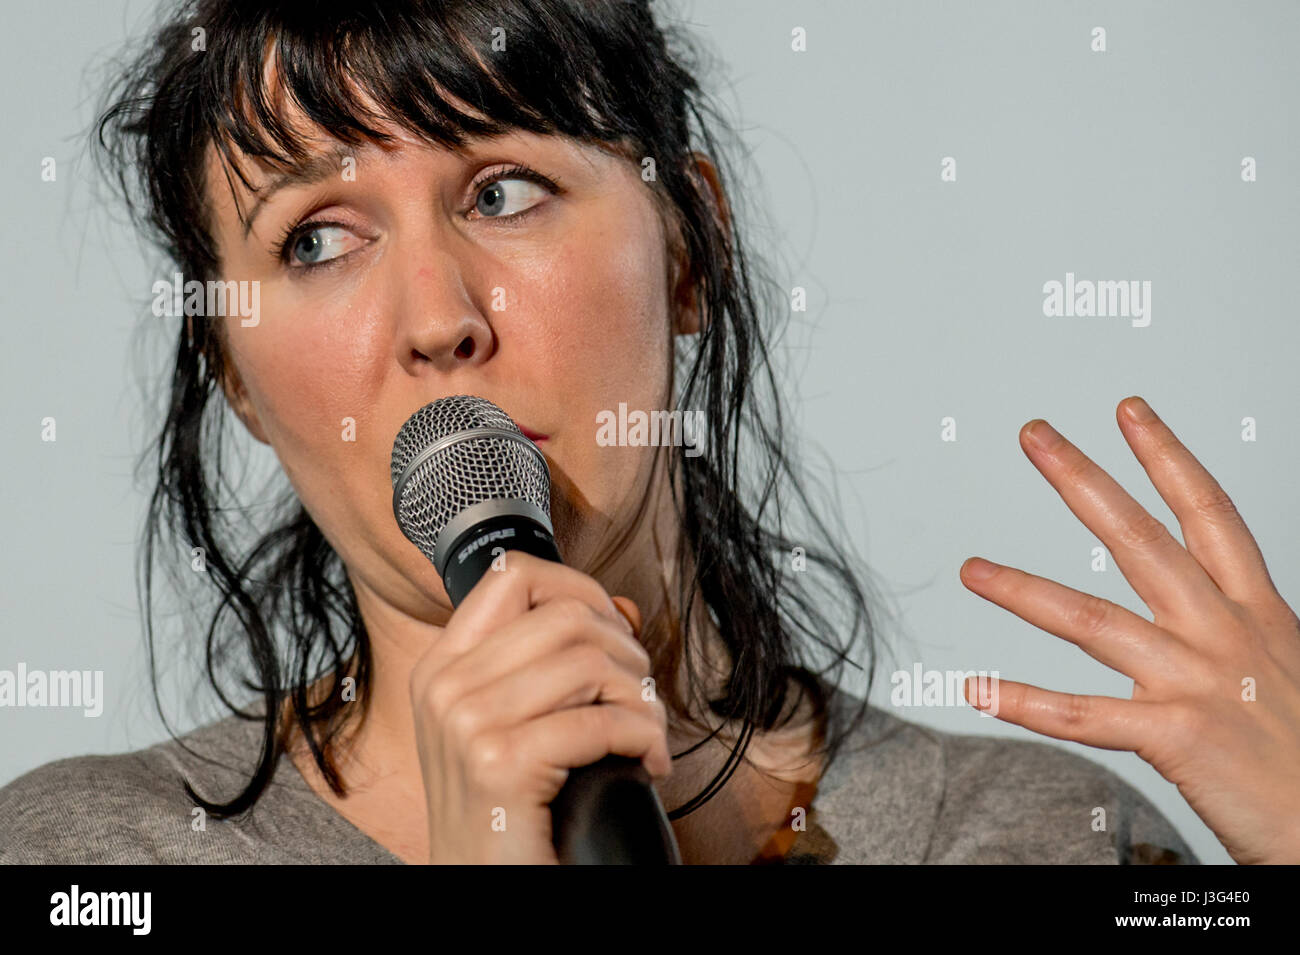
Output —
(442, 273)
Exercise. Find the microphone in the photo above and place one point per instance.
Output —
(467, 486)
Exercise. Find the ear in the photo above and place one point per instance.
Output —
(690, 317)
(237, 397)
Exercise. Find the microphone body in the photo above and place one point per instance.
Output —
(607, 813)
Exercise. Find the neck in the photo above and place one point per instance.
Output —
(379, 765)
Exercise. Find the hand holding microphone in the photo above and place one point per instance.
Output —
(536, 744)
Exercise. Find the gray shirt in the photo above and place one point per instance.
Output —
(896, 793)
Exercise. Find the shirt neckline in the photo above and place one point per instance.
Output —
(812, 844)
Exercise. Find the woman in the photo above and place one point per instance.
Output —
(522, 201)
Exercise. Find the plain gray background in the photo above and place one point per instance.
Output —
(925, 301)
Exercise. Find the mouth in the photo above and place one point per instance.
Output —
(532, 435)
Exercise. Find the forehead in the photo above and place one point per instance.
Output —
(325, 153)
(234, 179)
(244, 175)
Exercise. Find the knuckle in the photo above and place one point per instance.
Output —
(462, 722)
(431, 663)
(1279, 613)
(642, 655)
(488, 757)
(438, 696)
(1077, 468)
(1187, 724)
(1143, 531)
(1262, 601)
(1077, 710)
(572, 612)
(1090, 615)
(1215, 504)
(640, 660)
(1237, 626)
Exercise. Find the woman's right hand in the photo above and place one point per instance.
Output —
(537, 672)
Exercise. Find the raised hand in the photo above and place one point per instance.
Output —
(1216, 672)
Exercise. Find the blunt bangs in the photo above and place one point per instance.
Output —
(579, 69)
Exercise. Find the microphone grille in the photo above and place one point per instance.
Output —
(457, 452)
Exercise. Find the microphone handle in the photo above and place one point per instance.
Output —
(607, 813)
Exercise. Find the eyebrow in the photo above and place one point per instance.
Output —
(316, 169)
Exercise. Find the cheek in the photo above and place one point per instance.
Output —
(601, 336)
(602, 333)
(308, 370)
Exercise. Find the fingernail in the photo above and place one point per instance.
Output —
(1139, 410)
(1044, 435)
(977, 568)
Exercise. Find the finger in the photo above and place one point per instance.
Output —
(580, 675)
(631, 612)
(582, 735)
(531, 638)
(1214, 531)
(1101, 721)
(524, 583)
(1161, 571)
(1105, 631)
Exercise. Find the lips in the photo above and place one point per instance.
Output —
(532, 435)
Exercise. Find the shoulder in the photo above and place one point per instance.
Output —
(901, 792)
(130, 808)
(1009, 800)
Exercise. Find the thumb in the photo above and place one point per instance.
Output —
(629, 610)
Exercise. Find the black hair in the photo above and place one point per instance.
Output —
(600, 71)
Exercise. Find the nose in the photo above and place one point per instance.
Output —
(441, 326)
